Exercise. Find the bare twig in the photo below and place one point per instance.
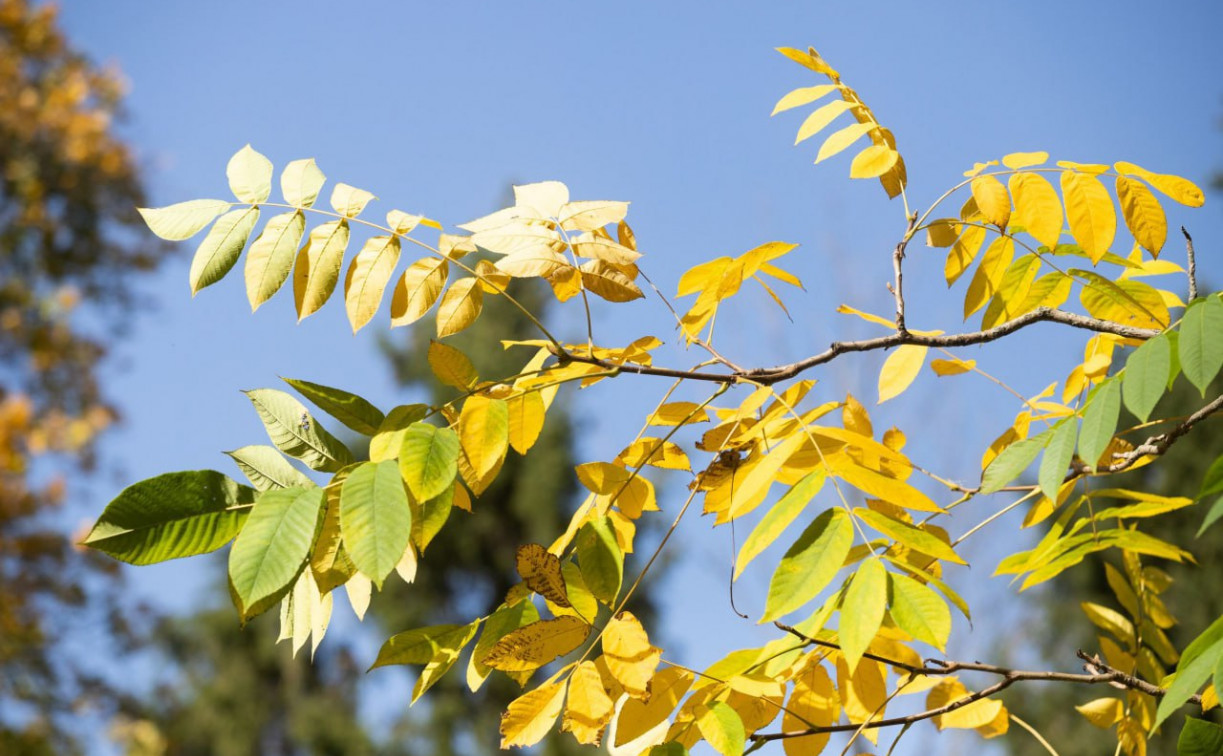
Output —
(898, 257)
(771, 375)
(1193, 265)
(1098, 673)
(1157, 445)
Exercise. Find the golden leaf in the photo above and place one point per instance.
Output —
(900, 369)
(417, 290)
(530, 716)
(653, 451)
(629, 655)
(992, 199)
(588, 708)
(1037, 207)
(1093, 222)
(484, 433)
(638, 717)
(534, 645)
(545, 197)
(526, 419)
(1024, 159)
(460, 307)
(813, 702)
(840, 140)
(451, 366)
(954, 366)
(873, 161)
(1142, 213)
(976, 714)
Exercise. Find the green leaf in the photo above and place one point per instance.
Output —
(1013, 460)
(862, 610)
(428, 459)
(1100, 420)
(273, 546)
(668, 749)
(919, 611)
(348, 408)
(375, 518)
(810, 563)
(1200, 345)
(250, 175)
(1212, 516)
(170, 516)
(221, 247)
(722, 727)
(437, 647)
(429, 516)
(1199, 738)
(1057, 457)
(386, 442)
(271, 256)
(601, 559)
(913, 537)
(294, 431)
(1146, 376)
(300, 182)
(1194, 668)
(1212, 483)
(779, 517)
(183, 220)
(267, 468)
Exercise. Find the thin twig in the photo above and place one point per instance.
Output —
(1193, 265)
(898, 257)
(1098, 673)
(1157, 445)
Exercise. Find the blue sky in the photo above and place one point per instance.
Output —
(437, 108)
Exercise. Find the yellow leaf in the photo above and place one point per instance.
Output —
(1017, 160)
(942, 232)
(608, 282)
(492, 279)
(880, 486)
(862, 609)
(842, 139)
(810, 59)
(250, 175)
(900, 369)
(566, 283)
(518, 237)
(992, 199)
(1103, 712)
(636, 718)
(532, 646)
(998, 726)
(653, 451)
(813, 702)
(405, 223)
(526, 420)
(1142, 213)
(802, 96)
(751, 487)
(976, 714)
(1012, 291)
(588, 215)
(529, 717)
(1037, 207)
(588, 709)
(318, 266)
(1179, 189)
(367, 278)
(545, 197)
(1090, 169)
(417, 290)
(484, 433)
(451, 366)
(461, 499)
(702, 276)
(541, 571)
(460, 307)
(349, 201)
(954, 366)
(989, 274)
(531, 263)
(847, 310)
(978, 167)
(630, 657)
(963, 252)
(1093, 222)
(678, 413)
(601, 248)
(819, 118)
(864, 693)
(271, 256)
(504, 217)
(873, 161)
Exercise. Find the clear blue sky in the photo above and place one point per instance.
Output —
(438, 107)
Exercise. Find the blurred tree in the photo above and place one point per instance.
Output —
(68, 193)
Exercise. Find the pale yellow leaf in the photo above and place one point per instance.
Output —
(503, 217)
(587, 215)
(629, 655)
(802, 96)
(528, 263)
(300, 182)
(819, 118)
(678, 413)
(417, 290)
(358, 588)
(636, 718)
(1103, 712)
(460, 306)
(900, 369)
(598, 247)
(545, 197)
(270, 257)
(847, 310)
(349, 201)
(588, 708)
(530, 716)
(250, 175)
(517, 237)
(405, 223)
(653, 451)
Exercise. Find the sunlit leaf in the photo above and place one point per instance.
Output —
(778, 518)
(541, 571)
(484, 432)
(992, 199)
(375, 518)
(348, 408)
(292, 429)
(1100, 421)
(839, 140)
(267, 468)
(1017, 160)
(300, 182)
(428, 459)
(601, 559)
(460, 307)
(809, 564)
(367, 278)
(250, 176)
(900, 369)
(819, 118)
(589, 215)
(183, 220)
(862, 610)
(273, 546)
(802, 96)
(722, 727)
(532, 646)
(915, 538)
(349, 201)
(1058, 453)
(318, 266)
(588, 708)
(1143, 215)
(170, 516)
(919, 611)
(1037, 207)
(221, 248)
(1180, 189)
(271, 256)
(531, 716)
(417, 290)
(1093, 222)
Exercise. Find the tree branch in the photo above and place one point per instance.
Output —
(771, 375)
(1157, 445)
(1193, 265)
(1098, 672)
